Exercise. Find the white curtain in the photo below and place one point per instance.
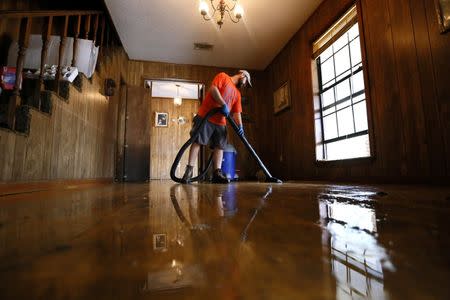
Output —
(86, 59)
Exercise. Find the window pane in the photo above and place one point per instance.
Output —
(341, 42)
(360, 116)
(344, 104)
(328, 111)
(343, 90)
(359, 98)
(346, 73)
(358, 82)
(342, 60)
(353, 32)
(328, 98)
(327, 70)
(329, 126)
(349, 148)
(355, 51)
(345, 121)
(325, 54)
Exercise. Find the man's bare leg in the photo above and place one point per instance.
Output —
(218, 177)
(217, 158)
(193, 156)
(193, 153)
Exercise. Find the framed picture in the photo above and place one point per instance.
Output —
(160, 242)
(443, 14)
(161, 119)
(282, 98)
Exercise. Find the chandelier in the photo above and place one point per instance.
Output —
(235, 12)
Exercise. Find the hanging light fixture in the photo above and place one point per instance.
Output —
(177, 100)
(235, 11)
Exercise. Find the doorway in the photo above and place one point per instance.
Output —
(171, 122)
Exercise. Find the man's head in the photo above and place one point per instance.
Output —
(244, 79)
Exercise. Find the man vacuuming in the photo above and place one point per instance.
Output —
(224, 93)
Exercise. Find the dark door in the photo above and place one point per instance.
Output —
(137, 135)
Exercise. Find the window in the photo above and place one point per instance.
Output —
(341, 115)
(171, 89)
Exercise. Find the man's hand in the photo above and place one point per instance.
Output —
(240, 130)
(225, 110)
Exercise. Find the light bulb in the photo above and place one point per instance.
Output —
(177, 101)
(238, 11)
(204, 8)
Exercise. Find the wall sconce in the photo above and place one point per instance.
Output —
(110, 85)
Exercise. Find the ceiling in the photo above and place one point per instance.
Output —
(165, 31)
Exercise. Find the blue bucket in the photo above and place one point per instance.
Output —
(229, 162)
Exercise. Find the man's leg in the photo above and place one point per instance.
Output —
(217, 158)
(218, 176)
(193, 155)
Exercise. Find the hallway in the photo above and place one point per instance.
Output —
(300, 240)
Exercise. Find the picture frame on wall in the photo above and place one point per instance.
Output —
(160, 242)
(443, 14)
(282, 98)
(161, 119)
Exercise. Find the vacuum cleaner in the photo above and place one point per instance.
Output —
(202, 173)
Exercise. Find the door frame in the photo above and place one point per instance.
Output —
(202, 93)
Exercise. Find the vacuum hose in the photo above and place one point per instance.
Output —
(269, 177)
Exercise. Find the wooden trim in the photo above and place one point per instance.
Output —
(46, 13)
(87, 27)
(362, 43)
(102, 35)
(37, 186)
(24, 38)
(62, 46)
(335, 31)
(75, 39)
(335, 37)
(96, 22)
(344, 162)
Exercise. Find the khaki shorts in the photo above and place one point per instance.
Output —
(211, 134)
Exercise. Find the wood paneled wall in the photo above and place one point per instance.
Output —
(77, 141)
(166, 141)
(408, 67)
(139, 70)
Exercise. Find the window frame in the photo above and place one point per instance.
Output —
(316, 91)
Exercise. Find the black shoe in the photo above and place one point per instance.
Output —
(218, 177)
(187, 174)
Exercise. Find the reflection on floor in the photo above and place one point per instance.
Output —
(237, 241)
(357, 260)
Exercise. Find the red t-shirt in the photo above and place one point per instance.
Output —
(230, 95)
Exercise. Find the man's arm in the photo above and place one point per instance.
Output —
(238, 119)
(215, 93)
(218, 99)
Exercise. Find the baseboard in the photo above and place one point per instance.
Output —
(11, 188)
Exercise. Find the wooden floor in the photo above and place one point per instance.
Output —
(241, 241)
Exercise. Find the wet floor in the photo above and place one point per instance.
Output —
(241, 241)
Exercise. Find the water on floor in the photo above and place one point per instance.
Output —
(237, 241)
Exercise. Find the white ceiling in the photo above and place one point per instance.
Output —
(165, 30)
